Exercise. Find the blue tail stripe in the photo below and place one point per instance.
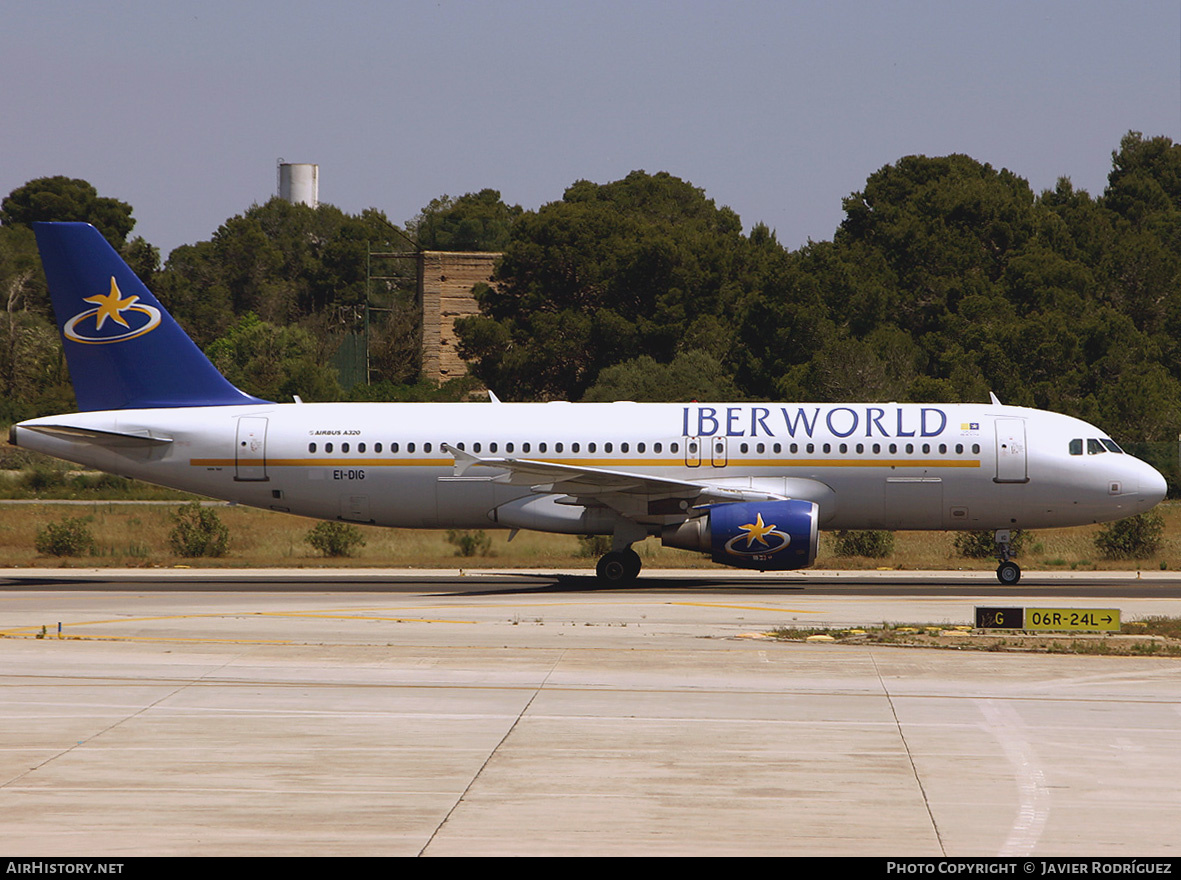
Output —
(123, 348)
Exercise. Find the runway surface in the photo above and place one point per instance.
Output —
(379, 713)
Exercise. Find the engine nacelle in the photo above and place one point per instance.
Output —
(767, 535)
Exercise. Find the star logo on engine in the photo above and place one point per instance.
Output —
(756, 531)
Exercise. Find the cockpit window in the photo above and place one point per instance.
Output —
(1094, 447)
(1111, 445)
(1076, 446)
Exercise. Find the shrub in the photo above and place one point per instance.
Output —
(593, 546)
(470, 543)
(335, 538)
(1136, 537)
(42, 478)
(873, 544)
(981, 544)
(70, 537)
(198, 531)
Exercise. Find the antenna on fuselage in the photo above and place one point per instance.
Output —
(995, 400)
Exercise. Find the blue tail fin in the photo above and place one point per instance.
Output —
(123, 349)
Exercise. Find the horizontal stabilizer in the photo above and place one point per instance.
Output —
(109, 439)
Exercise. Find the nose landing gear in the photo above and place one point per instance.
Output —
(1008, 572)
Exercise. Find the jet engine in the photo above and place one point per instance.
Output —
(766, 535)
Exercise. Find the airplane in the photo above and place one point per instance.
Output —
(750, 484)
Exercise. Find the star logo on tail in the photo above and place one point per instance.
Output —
(88, 327)
(112, 305)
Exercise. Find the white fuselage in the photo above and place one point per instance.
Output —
(867, 466)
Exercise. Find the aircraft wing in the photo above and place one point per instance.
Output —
(632, 494)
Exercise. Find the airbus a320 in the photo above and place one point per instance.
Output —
(750, 484)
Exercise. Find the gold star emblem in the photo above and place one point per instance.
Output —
(756, 530)
(111, 305)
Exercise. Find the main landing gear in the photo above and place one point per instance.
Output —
(1008, 572)
(619, 567)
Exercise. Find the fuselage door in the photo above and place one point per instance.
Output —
(1011, 464)
(692, 451)
(250, 450)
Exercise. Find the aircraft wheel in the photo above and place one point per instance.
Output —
(617, 568)
(634, 564)
(1008, 573)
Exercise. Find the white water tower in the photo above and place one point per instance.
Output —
(299, 183)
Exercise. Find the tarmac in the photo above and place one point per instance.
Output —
(346, 712)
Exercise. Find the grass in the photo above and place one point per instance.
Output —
(1153, 636)
(137, 535)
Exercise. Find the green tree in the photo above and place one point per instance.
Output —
(473, 222)
(275, 363)
(646, 265)
(66, 198)
(691, 375)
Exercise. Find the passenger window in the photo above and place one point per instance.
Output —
(861, 447)
(557, 447)
(491, 447)
(394, 447)
(360, 447)
(1094, 447)
(409, 447)
(673, 447)
(575, 447)
(743, 447)
(975, 448)
(640, 447)
(909, 448)
(344, 447)
(828, 447)
(778, 447)
(959, 449)
(426, 447)
(795, 447)
(607, 447)
(541, 447)
(877, 447)
(943, 449)
(508, 447)
(761, 448)
(811, 447)
(623, 447)
(893, 448)
(657, 447)
(475, 447)
(311, 447)
(327, 447)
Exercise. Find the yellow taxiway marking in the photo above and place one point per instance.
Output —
(746, 607)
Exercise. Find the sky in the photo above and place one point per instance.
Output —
(777, 109)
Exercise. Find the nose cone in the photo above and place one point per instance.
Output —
(1152, 486)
